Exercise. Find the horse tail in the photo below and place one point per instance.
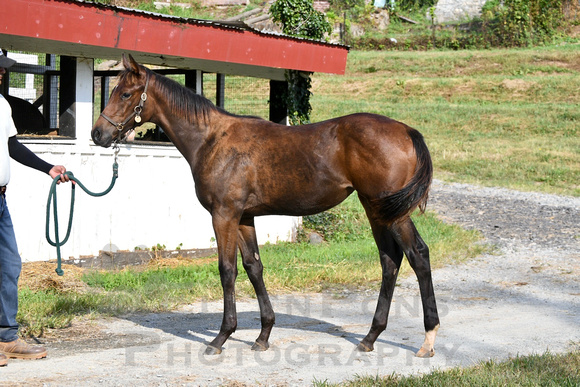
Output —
(398, 204)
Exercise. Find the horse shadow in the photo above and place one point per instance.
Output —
(202, 327)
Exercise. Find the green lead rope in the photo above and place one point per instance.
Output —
(52, 199)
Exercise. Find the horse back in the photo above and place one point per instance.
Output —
(298, 170)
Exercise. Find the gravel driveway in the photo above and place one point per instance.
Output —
(523, 299)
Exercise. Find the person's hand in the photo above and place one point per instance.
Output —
(59, 170)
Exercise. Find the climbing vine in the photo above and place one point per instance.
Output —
(299, 18)
(298, 97)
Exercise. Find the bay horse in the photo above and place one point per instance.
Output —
(245, 167)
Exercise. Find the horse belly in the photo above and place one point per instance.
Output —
(300, 200)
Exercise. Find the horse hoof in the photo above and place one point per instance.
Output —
(212, 350)
(363, 348)
(424, 353)
(260, 347)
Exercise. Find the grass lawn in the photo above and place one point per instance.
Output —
(547, 369)
(498, 117)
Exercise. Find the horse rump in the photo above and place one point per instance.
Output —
(398, 204)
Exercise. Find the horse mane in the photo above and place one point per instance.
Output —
(182, 101)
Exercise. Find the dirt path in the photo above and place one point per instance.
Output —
(524, 299)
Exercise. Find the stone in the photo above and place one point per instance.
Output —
(315, 238)
(448, 11)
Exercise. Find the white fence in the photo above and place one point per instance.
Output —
(153, 201)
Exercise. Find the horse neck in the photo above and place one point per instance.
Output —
(187, 130)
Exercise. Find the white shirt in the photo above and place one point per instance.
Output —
(7, 130)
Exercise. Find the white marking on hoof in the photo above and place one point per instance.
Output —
(427, 349)
(424, 353)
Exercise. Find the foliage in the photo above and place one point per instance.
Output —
(351, 12)
(414, 4)
(298, 97)
(347, 4)
(346, 222)
(300, 19)
(356, 10)
(356, 6)
(512, 23)
(193, 9)
(509, 23)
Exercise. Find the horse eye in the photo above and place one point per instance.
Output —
(125, 96)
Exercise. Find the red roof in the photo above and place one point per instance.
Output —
(86, 29)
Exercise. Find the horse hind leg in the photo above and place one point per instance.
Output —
(391, 257)
(253, 265)
(417, 253)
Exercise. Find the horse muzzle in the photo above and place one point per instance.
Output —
(101, 138)
(105, 139)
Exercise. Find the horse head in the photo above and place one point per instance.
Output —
(126, 108)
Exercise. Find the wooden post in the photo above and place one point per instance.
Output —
(278, 106)
(194, 80)
(220, 90)
(67, 96)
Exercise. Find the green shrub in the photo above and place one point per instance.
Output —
(509, 23)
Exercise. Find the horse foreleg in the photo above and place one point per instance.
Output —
(417, 253)
(253, 264)
(226, 236)
(391, 256)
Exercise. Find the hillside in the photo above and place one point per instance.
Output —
(363, 26)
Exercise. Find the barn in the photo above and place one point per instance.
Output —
(66, 51)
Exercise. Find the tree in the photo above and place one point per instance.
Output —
(299, 18)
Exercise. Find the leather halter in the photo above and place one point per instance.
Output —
(136, 111)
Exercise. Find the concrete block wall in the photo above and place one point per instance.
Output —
(448, 11)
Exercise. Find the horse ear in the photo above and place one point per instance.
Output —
(130, 63)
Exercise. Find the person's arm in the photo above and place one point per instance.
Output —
(26, 157)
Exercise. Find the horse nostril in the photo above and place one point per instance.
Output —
(96, 135)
